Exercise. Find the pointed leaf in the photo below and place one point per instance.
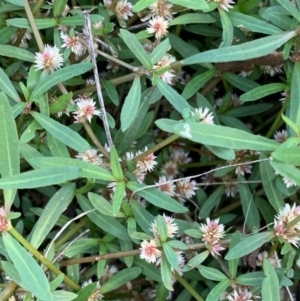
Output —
(137, 49)
(40, 178)
(159, 51)
(141, 4)
(211, 273)
(32, 275)
(157, 198)
(120, 278)
(218, 135)
(7, 87)
(270, 290)
(294, 108)
(197, 5)
(51, 213)
(118, 197)
(131, 104)
(166, 273)
(286, 170)
(17, 53)
(115, 164)
(175, 99)
(170, 255)
(218, 290)
(62, 132)
(241, 52)
(249, 244)
(59, 76)
(227, 35)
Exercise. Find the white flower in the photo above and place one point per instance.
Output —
(212, 231)
(171, 226)
(264, 255)
(271, 70)
(72, 43)
(288, 183)
(281, 136)
(168, 187)
(160, 8)
(225, 4)
(49, 60)
(185, 189)
(203, 116)
(149, 251)
(180, 156)
(170, 169)
(123, 10)
(147, 163)
(85, 110)
(91, 156)
(96, 295)
(166, 61)
(158, 26)
(241, 294)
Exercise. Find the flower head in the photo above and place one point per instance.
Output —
(241, 294)
(49, 60)
(4, 221)
(86, 109)
(170, 169)
(123, 10)
(225, 4)
(161, 9)
(203, 116)
(185, 189)
(166, 61)
(212, 231)
(171, 226)
(168, 187)
(72, 43)
(147, 163)
(149, 251)
(91, 156)
(96, 295)
(281, 136)
(158, 26)
(288, 182)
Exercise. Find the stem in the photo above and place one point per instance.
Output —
(187, 286)
(95, 140)
(8, 291)
(156, 147)
(43, 259)
(273, 250)
(37, 6)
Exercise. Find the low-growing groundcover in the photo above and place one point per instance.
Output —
(149, 150)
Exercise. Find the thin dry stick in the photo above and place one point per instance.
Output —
(96, 75)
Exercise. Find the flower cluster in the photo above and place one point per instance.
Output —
(282, 229)
(225, 4)
(240, 294)
(212, 232)
(86, 109)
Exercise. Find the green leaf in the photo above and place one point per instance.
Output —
(131, 104)
(194, 18)
(142, 4)
(149, 270)
(142, 216)
(6, 33)
(250, 279)
(252, 23)
(61, 103)
(24, 23)
(79, 246)
(32, 275)
(157, 198)
(250, 211)
(249, 110)
(59, 76)
(120, 278)
(87, 170)
(263, 91)
(51, 213)
(7, 87)
(111, 91)
(211, 273)
(218, 290)
(175, 99)
(106, 223)
(249, 244)
(86, 292)
(59, 7)
(211, 201)
(290, 155)
(197, 5)
(241, 52)
(227, 35)
(290, 7)
(170, 255)
(294, 108)
(118, 197)
(270, 290)
(40, 178)
(9, 146)
(78, 20)
(102, 205)
(291, 124)
(162, 228)
(166, 273)
(57, 148)
(197, 82)
(159, 51)
(286, 170)
(115, 164)
(177, 244)
(137, 49)
(233, 263)
(195, 261)
(62, 132)
(240, 82)
(63, 295)
(218, 135)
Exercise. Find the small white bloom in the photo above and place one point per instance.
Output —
(161, 8)
(72, 43)
(185, 189)
(212, 231)
(49, 60)
(288, 183)
(158, 26)
(203, 116)
(123, 10)
(171, 226)
(170, 169)
(225, 4)
(271, 70)
(281, 136)
(168, 187)
(91, 156)
(147, 163)
(86, 109)
(149, 251)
